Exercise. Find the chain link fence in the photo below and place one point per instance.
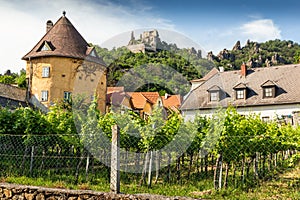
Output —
(240, 162)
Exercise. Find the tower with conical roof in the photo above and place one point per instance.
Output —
(63, 63)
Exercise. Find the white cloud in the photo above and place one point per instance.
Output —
(217, 38)
(23, 23)
(261, 30)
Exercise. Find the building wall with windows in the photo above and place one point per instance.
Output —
(62, 64)
(65, 77)
(271, 92)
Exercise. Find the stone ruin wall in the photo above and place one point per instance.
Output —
(23, 192)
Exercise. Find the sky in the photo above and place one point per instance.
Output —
(207, 25)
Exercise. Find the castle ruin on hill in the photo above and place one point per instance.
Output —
(149, 41)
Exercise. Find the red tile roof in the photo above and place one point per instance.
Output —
(172, 101)
(151, 96)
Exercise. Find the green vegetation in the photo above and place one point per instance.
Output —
(14, 78)
(121, 61)
(283, 52)
(48, 149)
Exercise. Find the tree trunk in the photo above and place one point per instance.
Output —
(169, 167)
(206, 165)
(255, 166)
(197, 164)
(234, 175)
(243, 171)
(178, 169)
(275, 160)
(190, 165)
(150, 169)
(226, 175)
(42, 163)
(78, 166)
(137, 163)
(142, 180)
(218, 173)
(31, 160)
(157, 165)
(87, 166)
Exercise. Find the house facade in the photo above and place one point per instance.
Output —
(271, 92)
(62, 64)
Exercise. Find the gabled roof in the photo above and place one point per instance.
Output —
(285, 77)
(172, 101)
(214, 88)
(151, 96)
(138, 100)
(64, 41)
(268, 83)
(207, 76)
(240, 86)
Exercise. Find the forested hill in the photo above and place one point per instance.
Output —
(185, 61)
(191, 65)
(270, 53)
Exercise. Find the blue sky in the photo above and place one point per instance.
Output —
(212, 25)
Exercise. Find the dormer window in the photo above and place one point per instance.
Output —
(268, 92)
(214, 93)
(240, 91)
(240, 94)
(93, 53)
(214, 96)
(269, 89)
(46, 46)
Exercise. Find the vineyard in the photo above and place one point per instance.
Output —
(70, 149)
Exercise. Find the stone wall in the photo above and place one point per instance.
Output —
(23, 192)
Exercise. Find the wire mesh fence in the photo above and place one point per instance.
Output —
(235, 162)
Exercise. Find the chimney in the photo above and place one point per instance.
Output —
(166, 95)
(243, 69)
(221, 69)
(49, 25)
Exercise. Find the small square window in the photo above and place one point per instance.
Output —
(214, 96)
(44, 96)
(268, 92)
(240, 94)
(46, 72)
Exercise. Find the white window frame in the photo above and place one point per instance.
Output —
(44, 95)
(268, 92)
(46, 72)
(214, 96)
(240, 94)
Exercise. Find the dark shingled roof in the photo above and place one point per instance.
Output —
(12, 97)
(65, 41)
(12, 92)
(285, 78)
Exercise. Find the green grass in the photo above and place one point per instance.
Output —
(284, 184)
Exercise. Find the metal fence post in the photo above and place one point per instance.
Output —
(115, 160)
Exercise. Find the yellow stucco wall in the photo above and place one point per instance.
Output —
(67, 75)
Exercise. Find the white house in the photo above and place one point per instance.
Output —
(272, 92)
